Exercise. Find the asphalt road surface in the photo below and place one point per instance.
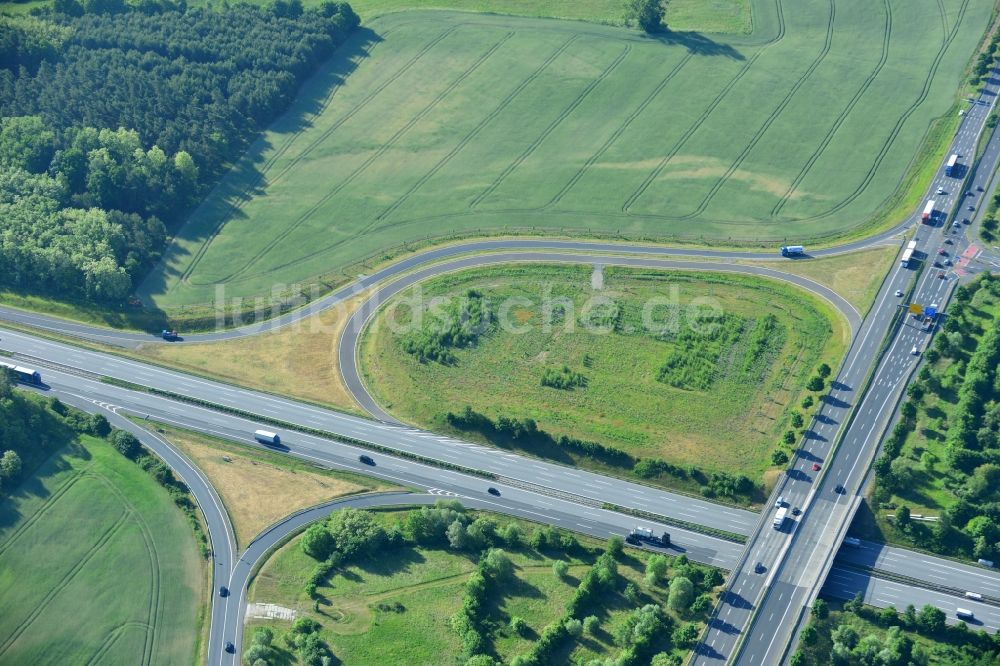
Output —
(545, 475)
(802, 552)
(350, 340)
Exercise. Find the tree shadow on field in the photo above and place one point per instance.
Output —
(698, 44)
(246, 177)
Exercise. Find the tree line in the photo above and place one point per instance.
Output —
(116, 118)
(525, 433)
(970, 433)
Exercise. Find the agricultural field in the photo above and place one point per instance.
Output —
(258, 488)
(396, 608)
(97, 565)
(431, 124)
(619, 357)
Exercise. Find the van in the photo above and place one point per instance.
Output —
(975, 596)
(964, 613)
(266, 437)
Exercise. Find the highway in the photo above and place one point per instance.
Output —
(545, 476)
(234, 570)
(795, 559)
(801, 554)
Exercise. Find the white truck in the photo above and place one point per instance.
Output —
(779, 518)
(267, 437)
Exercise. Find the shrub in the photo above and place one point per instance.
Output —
(681, 594)
(560, 569)
(701, 604)
(518, 625)
(779, 457)
(574, 627)
(616, 547)
(591, 624)
(125, 443)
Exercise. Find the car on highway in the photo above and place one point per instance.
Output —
(965, 220)
(780, 502)
(979, 188)
(815, 467)
(940, 190)
(366, 460)
(839, 489)
(796, 510)
(914, 351)
(970, 208)
(899, 292)
(493, 491)
(759, 567)
(223, 591)
(230, 648)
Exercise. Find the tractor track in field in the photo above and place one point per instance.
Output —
(886, 35)
(447, 158)
(619, 131)
(111, 639)
(371, 159)
(63, 582)
(689, 132)
(43, 509)
(504, 103)
(766, 125)
(203, 248)
(925, 91)
(533, 146)
(155, 607)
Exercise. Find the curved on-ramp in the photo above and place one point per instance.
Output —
(348, 348)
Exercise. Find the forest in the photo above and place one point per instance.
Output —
(116, 118)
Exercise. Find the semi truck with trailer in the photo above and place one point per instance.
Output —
(907, 257)
(266, 437)
(641, 535)
(927, 217)
(792, 250)
(26, 375)
(949, 168)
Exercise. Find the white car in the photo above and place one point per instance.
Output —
(899, 292)
(780, 502)
(940, 190)
(914, 351)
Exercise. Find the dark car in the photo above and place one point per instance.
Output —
(796, 511)
(223, 591)
(970, 208)
(366, 460)
(839, 489)
(493, 491)
(230, 648)
(759, 567)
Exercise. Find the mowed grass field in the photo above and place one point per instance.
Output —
(97, 565)
(721, 407)
(434, 123)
